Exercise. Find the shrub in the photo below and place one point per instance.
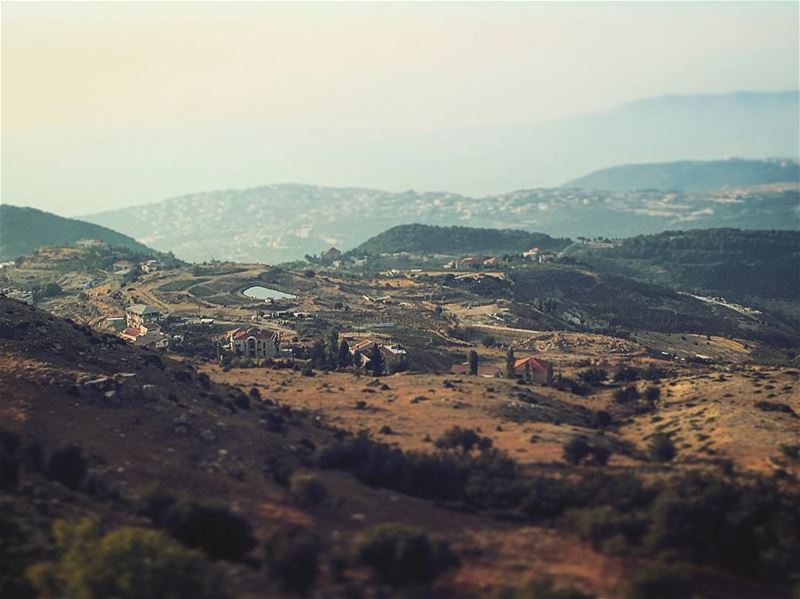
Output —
(661, 448)
(575, 450)
(626, 394)
(67, 466)
(403, 555)
(661, 581)
(465, 438)
(486, 479)
(291, 558)
(9, 470)
(307, 489)
(593, 376)
(126, 563)
(488, 341)
(626, 374)
(600, 454)
(608, 528)
(543, 589)
(216, 530)
(652, 393)
(601, 419)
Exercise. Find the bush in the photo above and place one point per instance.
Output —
(661, 448)
(626, 394)
(601, 419)
(291, 558)
(403, 555)
(543, 589)
(575, 450)
(626, 374)
(486, 479)
(307, 489)
(9, 470)
(661, 581)
(67, 466)
(126, 563)
(609, 529)
(216, 530)
(652, 393)
(593, 376)
(465, 438)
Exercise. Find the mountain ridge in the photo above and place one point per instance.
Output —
(690, 175)
(24, 230)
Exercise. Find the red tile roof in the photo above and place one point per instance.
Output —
(255, 332)
(535, 364)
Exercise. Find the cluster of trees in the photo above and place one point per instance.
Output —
(334, 354)
(751, 529)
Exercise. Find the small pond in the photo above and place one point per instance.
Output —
(264, 293)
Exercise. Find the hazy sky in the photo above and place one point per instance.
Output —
(83, 83)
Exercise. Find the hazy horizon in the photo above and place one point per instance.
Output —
(111, 105)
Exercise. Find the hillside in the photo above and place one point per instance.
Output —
(276, 501)
(739, 265)
(427, 239)
(24, 230)
(278, 223)
(691, 175)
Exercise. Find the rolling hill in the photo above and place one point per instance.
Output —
(278, 223)
(24, 230)
(691, 175)
(745, 266)
(426, 239)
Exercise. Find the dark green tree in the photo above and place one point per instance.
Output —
(377, 362)
(472, 358)
(510, 374)
(344, 359)
(333, 348)
(319, 354)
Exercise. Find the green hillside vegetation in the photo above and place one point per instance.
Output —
(736, 264)
(426, 239)
(691, 175)
(24, 230)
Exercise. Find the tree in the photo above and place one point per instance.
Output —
(377, 362)
(127, 563)
(403, 555)
(333, 348)
(318, 354)
(510, 374)
(472, 358)
(344, 359)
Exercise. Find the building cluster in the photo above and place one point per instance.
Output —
(21, 295)
(529, 369)
(475, 262)
(124, 267)
(143, 327)
(395, 358)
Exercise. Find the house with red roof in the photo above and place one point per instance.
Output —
(253, 342)
(534, 370)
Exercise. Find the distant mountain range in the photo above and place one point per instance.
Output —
(427, 239)
(277, 223)
(691, 175)
(161, 162)
(24, 230)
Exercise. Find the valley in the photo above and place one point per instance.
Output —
(367, 408)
